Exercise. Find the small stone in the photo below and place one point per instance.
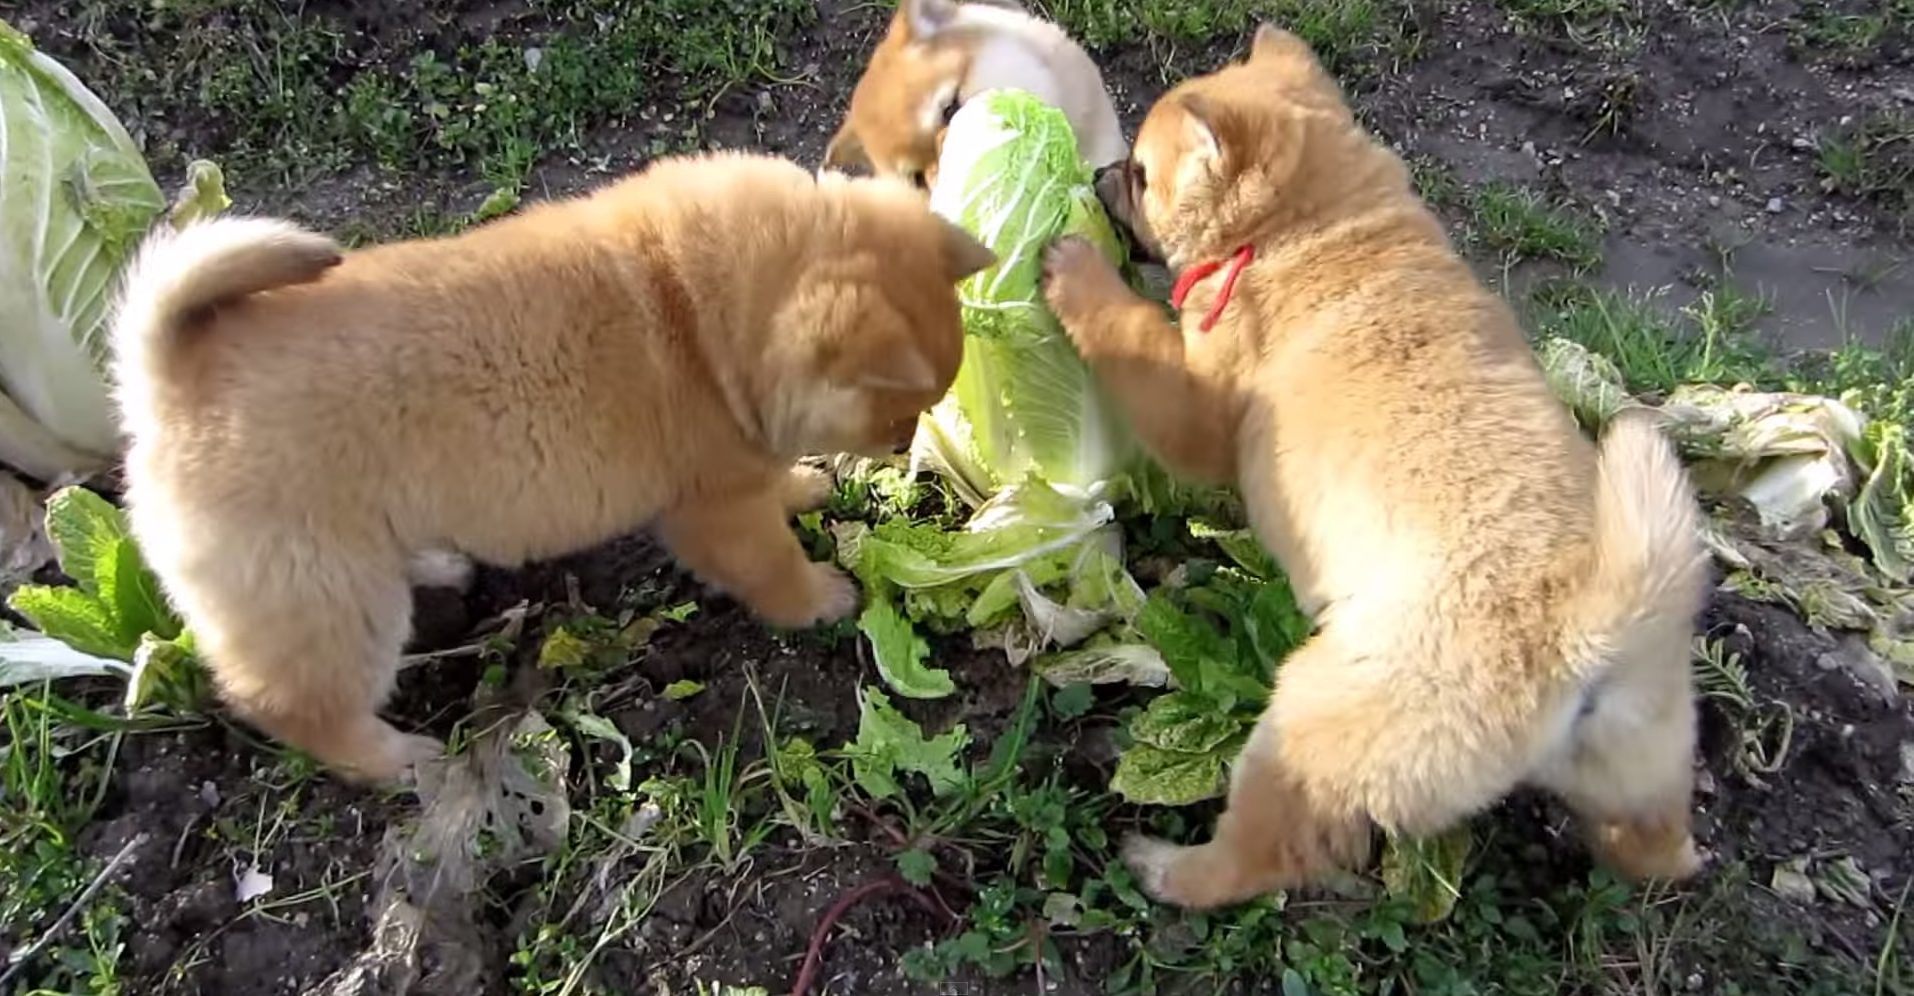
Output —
(1776, 205)
(534, 57)
(250, 883)
(1714, 200)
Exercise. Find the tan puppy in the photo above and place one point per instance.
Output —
(311, 429)
(940, 53)
(1497, 601)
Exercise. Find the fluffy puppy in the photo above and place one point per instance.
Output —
(940, 53)
(1497, 600)
(311, 429)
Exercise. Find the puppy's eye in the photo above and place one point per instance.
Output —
(950, 109)
(1137, 177)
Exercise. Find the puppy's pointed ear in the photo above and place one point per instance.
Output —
(1203, 124)
(1221, 143)
(897, 365)
(1272, 42)
(845, 149)
(924, 20)
(963, 254)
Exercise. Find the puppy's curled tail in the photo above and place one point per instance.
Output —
(1651, 569)
(178, 272)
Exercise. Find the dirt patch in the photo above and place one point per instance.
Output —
(1842, 791)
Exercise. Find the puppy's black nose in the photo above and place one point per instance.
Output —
(1102, 171)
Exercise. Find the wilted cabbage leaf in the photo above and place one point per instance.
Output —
(29, 658)
(1427, 871)
(1588, 382)
(1786, 453)
(889, 742)
(1878, 515)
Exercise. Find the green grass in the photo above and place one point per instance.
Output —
(54, 769)
(1819, 30)
(1656, 348)
(1520, 225)
(299, 95)
(1347, 34)
(1873, 160)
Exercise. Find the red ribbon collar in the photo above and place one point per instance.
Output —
(1198, 273)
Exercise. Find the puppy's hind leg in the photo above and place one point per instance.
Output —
(1269, 837)
(304, 642)
(1346, 744)
(1277, 831)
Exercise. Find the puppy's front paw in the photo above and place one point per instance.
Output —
(1151, 861)
(1078, 280)
(805, 488)
(395, 758)
(836, 594)
(823, 594)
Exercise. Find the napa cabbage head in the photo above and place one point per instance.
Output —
(1024, 402)
(76, 200)
(1037, 452)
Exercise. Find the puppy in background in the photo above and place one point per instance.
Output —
(940, 53)
(311, 430)
(1498, 600)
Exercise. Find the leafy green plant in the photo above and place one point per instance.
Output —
(1222, 633)
(113, 612)
(890, 743)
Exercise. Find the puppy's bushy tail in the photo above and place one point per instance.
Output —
(1651, 569)
(178, 273)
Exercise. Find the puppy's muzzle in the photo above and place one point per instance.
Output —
(1112, 186)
